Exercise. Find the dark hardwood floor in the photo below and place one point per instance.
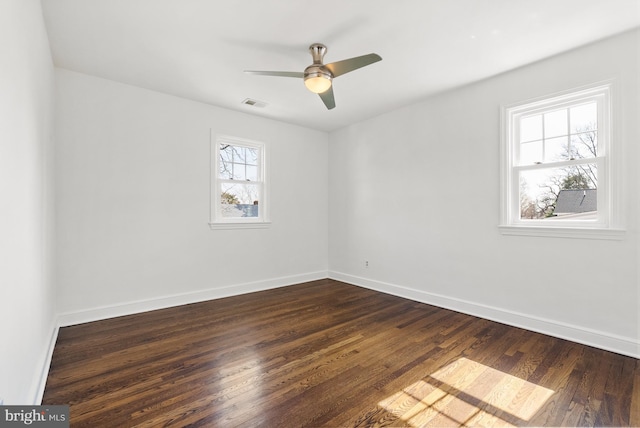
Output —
(326, 353)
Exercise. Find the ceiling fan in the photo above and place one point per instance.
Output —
(318, 77)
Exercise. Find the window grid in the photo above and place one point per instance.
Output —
(238, 163)
(569, 133)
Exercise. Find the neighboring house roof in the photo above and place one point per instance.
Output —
(576, 201)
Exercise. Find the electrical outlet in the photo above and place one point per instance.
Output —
(366, 263)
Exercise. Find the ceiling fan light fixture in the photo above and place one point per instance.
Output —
(317, 81)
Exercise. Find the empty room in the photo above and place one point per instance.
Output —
(283, 213)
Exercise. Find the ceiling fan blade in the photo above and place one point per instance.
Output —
(339, 68)
(277, 73)
(327, 98)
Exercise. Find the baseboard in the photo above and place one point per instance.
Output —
(46, 364)
(598, 339)
(133, 307)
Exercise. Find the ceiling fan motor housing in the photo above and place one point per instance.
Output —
(317, 51)
(317, 71)
(317, 77)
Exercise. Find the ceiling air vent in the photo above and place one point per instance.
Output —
(254, 103)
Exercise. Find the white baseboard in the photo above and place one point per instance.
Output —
(598, 339)
(44, 372)
(134, 307)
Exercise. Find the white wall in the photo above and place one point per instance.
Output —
(132, 175)
(26, 200)
(416, 193)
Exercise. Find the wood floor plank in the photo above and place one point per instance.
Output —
(325, 353)
(634, 417)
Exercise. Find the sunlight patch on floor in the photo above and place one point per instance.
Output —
(466, 392)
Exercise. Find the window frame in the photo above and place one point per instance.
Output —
(607, 225)
(216, 220)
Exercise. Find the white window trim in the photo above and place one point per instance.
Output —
(216, 221)
(608, 225)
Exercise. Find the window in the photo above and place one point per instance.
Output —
(558, 177)
(238, 191)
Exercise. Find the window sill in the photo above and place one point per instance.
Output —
(238, 225)
(563, 232)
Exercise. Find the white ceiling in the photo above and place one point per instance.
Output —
(198, 49)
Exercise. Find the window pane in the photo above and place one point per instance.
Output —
(584, 117)
(239, 154)
(239, 171)
(531, 128)
(555, 124)
(556, 149)
(559, 193)
(226, 171)
(224, 165)
(531, 153)
(252, 156)
(537, 193)
(584, 145)
(252, 173)
(240, 200)
(226, 152)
